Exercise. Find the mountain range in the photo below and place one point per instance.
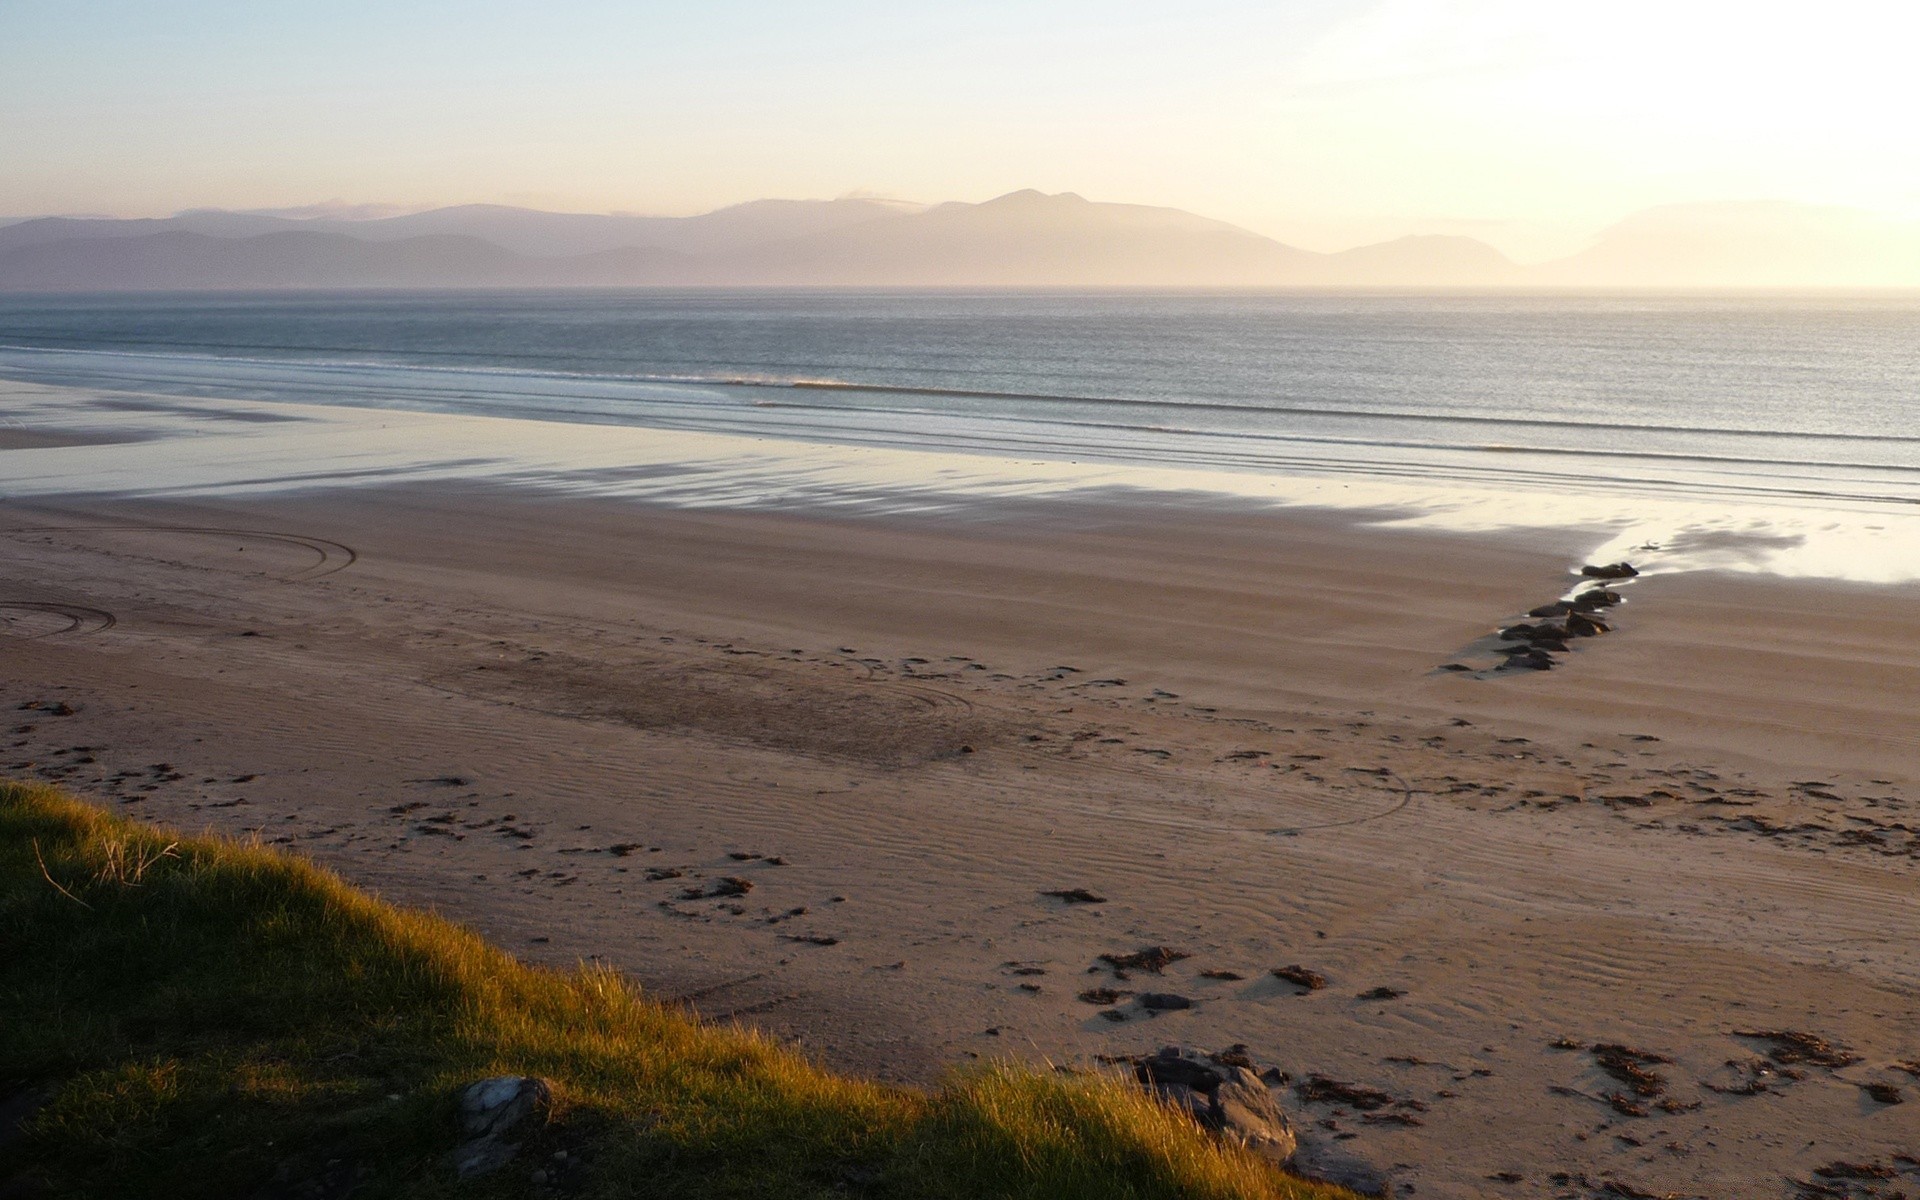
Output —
(1024, 239)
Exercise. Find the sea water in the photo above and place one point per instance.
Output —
(1741, 396)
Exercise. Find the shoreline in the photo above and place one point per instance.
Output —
(84, 441)
(481, 707)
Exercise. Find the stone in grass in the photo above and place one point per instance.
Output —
(1229, 1100)
(489, 1110)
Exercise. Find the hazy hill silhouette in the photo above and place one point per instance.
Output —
(1023, 239)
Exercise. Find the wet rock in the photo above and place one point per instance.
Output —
(1558, 608)
(1580, 625)
(1530, 658)
(1619, 570)
(1229, 1100)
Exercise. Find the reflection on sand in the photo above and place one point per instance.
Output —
(73, 441)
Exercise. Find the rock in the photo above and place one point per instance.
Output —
(482, 1156)
(1619, 570)
(1595, 599)
(1078, 895)
(1883, 1093)
(489, 1110)
(1546, 631)
(1164, 1001)
(1584, 626)
(1530, 658)
(1557, 609)
(494, 1106)
(1229, 1100)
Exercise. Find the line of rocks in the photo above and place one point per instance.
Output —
(1531, 645)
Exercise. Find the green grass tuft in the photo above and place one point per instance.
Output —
(204, 1018)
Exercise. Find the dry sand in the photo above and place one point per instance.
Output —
(561, 721)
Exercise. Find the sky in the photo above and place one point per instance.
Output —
(1325, 123)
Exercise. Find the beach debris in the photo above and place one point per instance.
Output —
(1380, 993)
(1300, 976)
(731, 885)
(812, 939)
(1077, 895)
(1882, 1093)
(1154, 959)
(1629, 1066)
(1792, 1046)
(1618, 570)
(1754, 1076)
(656, 874)
(1103, 996)
(1324, 1089)
(1234, 976)
(1851, 1170)
(1172, 1002)
(1224, 1097)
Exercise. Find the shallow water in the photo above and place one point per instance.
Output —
(1773, 433)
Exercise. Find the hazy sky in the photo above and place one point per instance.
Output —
(1321, 122)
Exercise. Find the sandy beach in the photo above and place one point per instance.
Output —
(819, 770)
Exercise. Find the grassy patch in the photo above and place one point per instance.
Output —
(204, 1018)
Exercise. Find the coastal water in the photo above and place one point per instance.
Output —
(1743, 397)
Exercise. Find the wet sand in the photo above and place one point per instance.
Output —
(569, 722)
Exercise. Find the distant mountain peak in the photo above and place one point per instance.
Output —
(1033, 196)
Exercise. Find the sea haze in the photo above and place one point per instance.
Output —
(1757, 398)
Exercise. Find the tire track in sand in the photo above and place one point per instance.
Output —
(330, 556)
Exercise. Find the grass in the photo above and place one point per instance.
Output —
(206, 1018)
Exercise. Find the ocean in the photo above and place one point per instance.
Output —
(1757, 398)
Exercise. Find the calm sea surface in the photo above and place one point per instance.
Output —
(1749, 397)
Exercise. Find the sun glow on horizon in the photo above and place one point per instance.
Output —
(1323, 122)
